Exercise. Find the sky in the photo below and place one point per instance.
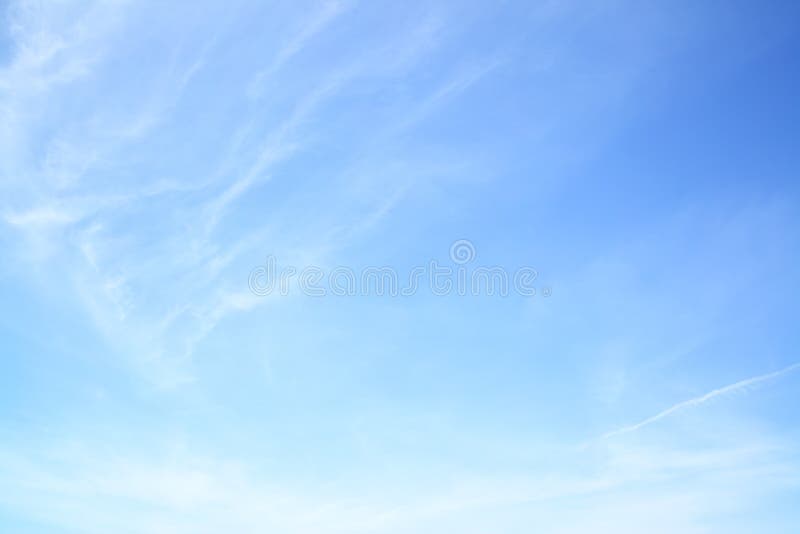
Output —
(639, 160)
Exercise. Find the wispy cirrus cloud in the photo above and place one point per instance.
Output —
(313, 25)
(181, 490)
(90, 201)
(741, 386)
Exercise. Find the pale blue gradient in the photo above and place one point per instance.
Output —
(642, 156)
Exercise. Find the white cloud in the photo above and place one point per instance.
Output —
(742, 385)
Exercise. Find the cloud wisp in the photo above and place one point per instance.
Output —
(696, 401)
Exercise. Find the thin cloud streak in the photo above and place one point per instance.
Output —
(732, 388)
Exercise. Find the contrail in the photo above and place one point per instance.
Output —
(700, 400)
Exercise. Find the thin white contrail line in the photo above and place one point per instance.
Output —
(701, 399)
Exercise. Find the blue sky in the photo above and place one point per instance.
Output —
(641, 156)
